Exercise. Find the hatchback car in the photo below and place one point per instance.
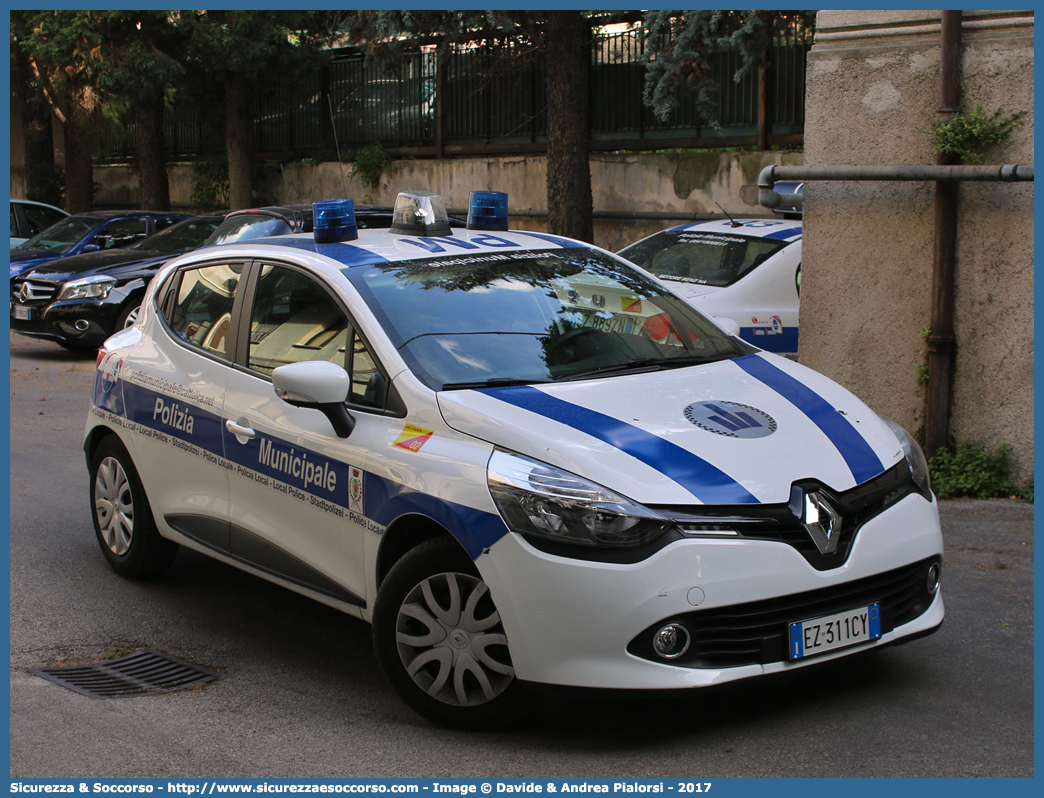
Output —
(747, 270)
(81, 300)
(89, 232)
(528, 463)
(28, 218)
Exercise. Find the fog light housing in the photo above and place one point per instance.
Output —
(671, 641)
(934, 573)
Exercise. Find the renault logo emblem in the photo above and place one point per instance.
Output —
(821, 521)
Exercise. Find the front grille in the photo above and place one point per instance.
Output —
(757, 632)
(778, 522)
(24, 291)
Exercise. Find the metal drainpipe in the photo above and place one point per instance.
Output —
(941, 338)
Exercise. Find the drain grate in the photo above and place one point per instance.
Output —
(141, 673)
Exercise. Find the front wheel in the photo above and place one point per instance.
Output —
(439, 638)
(128, 316)
(123, 521)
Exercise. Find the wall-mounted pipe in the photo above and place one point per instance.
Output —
(942, 341)
(770, 175)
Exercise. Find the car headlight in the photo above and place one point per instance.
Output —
(914, 456)
(535, 498)
(95, 287)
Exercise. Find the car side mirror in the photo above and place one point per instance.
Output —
(731, 326)
(90, 248)
(319, 385)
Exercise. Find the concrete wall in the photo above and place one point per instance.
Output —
(873, 87)
(652, 183)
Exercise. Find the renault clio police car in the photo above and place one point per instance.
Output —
(525, 461)
(746, 270)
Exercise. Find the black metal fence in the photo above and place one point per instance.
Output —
(492, 99)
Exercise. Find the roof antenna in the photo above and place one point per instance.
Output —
(340, 166)
(289, 201)
(734, 222)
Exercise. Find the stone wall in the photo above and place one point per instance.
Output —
(676, 183)
(873, 88)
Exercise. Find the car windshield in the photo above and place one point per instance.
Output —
(701, 257)
(182, 237)
(244, 228)
(523, 317)
(63, 236)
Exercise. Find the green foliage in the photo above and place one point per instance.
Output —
(965, 134)
(971, 471)
(369, 164)
(681, 48)
(922, 373)
(46, 184)
(1026, 494)
(209, 185)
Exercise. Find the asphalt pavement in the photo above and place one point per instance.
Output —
(301, 694)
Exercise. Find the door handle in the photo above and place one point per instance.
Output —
(239, 431)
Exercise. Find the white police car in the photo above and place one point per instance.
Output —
(747, 270)
(524, 460)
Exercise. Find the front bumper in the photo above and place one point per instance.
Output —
(83, 324)
(570, 622)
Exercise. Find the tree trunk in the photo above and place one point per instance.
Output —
(237, 142)
(152, 162)
(570, 209)
(79, 155)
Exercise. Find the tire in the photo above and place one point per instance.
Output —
(439, 639)
(128, 316)
(123, 521)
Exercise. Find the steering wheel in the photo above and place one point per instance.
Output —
(568, 337)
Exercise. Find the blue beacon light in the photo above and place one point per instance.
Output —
(488, 210)
(334, 220)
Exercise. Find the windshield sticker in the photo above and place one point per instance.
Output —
(631, 304)
(731, 419)
(716, 239)
(412, 438)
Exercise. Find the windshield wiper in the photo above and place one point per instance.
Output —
(494, 382)
(643, 364)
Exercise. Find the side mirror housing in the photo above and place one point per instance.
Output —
(319, 385)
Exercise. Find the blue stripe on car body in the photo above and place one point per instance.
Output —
(790, 232)
(862, 461)
(384, 500)
(706, 482)
(344, 253)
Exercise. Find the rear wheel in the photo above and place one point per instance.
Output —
(123, 521)
(439, 638)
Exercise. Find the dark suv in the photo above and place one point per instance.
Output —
(81, 300)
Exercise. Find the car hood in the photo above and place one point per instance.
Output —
(100, 262)
(732, 432)
(23, 260)
(691, 290)
(31, 254)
